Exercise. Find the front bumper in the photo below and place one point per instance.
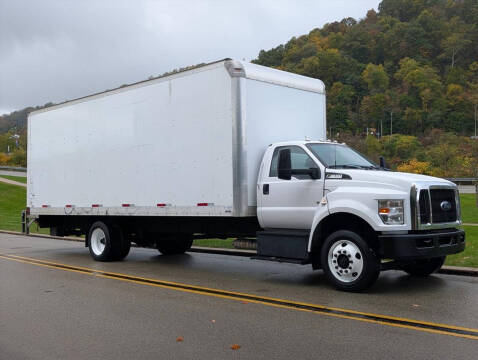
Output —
(422, 245)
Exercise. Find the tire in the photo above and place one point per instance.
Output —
(424, 267)
(123, 251)
(104, 242)
(173, 244)
(56, 231)
(348, 261)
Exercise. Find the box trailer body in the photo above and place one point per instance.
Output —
(196, 137)
(225, 150)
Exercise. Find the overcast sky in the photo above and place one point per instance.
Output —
(59, 50)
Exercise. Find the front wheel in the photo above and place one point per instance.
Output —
(424, 267)
(348, 261)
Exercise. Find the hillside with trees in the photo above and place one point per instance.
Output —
(401, 82)
(411, 69)
(414, 63)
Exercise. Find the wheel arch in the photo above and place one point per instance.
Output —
(340, 221)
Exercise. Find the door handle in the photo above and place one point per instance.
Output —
(265, 189)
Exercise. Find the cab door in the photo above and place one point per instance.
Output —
(289, 204)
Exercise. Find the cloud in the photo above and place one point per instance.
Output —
(58, 50)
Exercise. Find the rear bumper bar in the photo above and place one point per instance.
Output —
(421, 245)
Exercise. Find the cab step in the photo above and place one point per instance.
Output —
(283, 245)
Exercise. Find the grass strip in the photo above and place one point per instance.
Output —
(21, 179)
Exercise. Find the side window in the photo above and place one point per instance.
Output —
(298, 158)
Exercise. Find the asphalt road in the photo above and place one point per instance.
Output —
(13, 173)
(49, 311)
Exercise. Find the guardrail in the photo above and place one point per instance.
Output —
(13, 168)
(463, 181)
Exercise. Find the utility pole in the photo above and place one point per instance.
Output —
(391, 123)
(476, 106)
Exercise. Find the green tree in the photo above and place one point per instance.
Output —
(340, 99)
(272, 58)
(18, 158)
(454, 43)
(372, 109)
(376, 78)
(472, 97)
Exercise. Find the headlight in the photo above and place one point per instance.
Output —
(391, 211)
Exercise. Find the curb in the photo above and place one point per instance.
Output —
(222, 251)
(67, 238)
(446, 270)
(458, 270)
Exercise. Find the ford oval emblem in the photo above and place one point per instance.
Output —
(445, 205)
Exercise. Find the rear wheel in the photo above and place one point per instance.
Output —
(126, 246)
(124, 243)
(424, 267)
(106, 242)
(100, 242)
(348, 261)
(171, 244)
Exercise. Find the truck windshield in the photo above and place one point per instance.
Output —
(340, 156)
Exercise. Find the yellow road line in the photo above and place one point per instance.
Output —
(417, 325)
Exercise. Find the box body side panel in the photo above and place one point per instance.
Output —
(274, 114)
(168, 142)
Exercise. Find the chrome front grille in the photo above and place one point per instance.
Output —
(443, 205)
(434, 206)
(424, 206)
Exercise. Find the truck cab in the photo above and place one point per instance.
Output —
(324, 203)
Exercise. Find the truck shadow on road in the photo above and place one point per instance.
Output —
(401, 283)
(396, 283)
(290, 275)
(244, 275)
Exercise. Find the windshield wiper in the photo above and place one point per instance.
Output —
(352, 166)
(370, 167)
(347, 166)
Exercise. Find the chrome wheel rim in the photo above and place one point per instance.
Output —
(345, 261)
(98, 241)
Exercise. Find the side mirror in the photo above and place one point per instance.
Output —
(285, 172)
(284, 169)
(314, 173)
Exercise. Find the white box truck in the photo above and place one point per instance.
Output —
(232, 149)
